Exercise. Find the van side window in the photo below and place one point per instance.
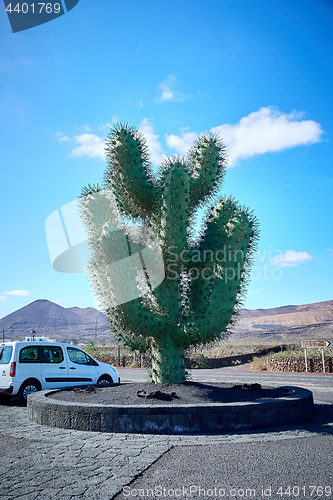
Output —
(52, 354)
(5, 354)
(30, 354)
(79, 357)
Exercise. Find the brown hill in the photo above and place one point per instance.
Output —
(308, 320)
(88, 313)
(286, 316)
(54, 321)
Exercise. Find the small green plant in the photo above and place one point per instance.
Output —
(288, 353)
(200, 361)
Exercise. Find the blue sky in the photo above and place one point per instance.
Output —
(257, 72)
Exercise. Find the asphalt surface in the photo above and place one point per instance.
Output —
(240, 470)
(39, 462)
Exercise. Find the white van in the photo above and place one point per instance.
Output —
(27, 367)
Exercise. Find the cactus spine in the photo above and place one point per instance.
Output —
(205, 277)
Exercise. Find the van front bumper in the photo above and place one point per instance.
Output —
(7, 390)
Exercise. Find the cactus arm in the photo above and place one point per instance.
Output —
(205, 256)
(97, 210)
(135, 317)
(129, 173)
(102, 220)
(236, 231)
(174, 209)
(208, 159)
(173, 231)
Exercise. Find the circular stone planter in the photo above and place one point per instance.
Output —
(216, 408)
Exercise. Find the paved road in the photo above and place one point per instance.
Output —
(39, 462)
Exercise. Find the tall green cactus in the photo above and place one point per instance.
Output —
(205, 276)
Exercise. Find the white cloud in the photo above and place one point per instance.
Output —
(89, 145)
(263, 131)
(167, 93)
(18, 293)
(62, 137)
(2, 298)
(181, 143)
(290, 259)
(61, 300)
(103, 128)
(155, 148)
(267, 130)
(93, 145)
(256, 291)
(330, 251)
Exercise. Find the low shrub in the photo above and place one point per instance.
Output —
(258, 364)
(198, 360)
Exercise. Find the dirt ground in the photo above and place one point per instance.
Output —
(197, 393)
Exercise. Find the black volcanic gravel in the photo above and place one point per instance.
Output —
(185, 393)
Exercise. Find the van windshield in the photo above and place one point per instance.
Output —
(5, 354)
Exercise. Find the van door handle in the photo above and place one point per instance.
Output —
(72, 368)
(62, 367)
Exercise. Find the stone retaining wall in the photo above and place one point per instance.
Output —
(297, 364)
(125, 361)
(188, 419)
(195, 361)
(280, 363)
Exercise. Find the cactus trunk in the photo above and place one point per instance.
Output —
(168, 365)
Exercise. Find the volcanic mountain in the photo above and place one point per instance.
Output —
(57, 322)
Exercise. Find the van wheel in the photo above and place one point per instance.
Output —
(28, 387)
(105, 379)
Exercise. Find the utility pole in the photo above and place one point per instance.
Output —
(3, 335)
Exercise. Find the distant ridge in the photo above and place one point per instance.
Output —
(309, 320)
(316, 306)
(307, 314)
(87, 313)
(79, 324)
